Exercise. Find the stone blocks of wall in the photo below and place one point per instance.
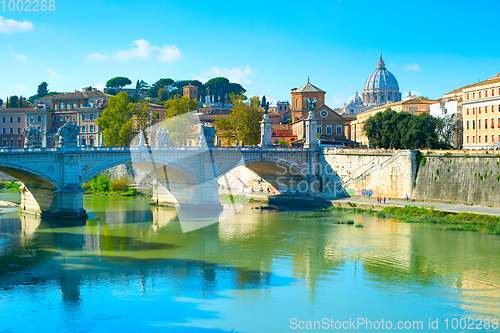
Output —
(374, 173)
(459, 179)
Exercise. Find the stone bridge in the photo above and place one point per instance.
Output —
(53, 177)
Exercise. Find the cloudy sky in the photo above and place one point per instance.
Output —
(270, 47)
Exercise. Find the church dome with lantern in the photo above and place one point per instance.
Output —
(381, 86)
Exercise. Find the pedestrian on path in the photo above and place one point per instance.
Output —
(384, 199)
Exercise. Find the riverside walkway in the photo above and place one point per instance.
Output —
(365, 203)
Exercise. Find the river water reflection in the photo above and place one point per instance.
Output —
(131, 268)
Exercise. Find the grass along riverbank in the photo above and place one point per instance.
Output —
(456, 222)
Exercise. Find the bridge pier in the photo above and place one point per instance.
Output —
(63, 203)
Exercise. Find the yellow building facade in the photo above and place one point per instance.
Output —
(481, 114)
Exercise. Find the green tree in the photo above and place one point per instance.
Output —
(161, 83)
(163, 94)
(181, 125)
(1, 102)
(117, 121)
(401, 130)
(13, 101)
(219, 88)
(244, 120)
(448, 128)
(43, 89)
(118, 83)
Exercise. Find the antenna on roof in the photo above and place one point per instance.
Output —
(308, 79)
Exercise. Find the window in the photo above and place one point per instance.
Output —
(12, 142)
(479, 124)
(55, 107)
(492, 123)
(320, 129)
(4, 143)
(84, 116)
(485, 123)
(478, 94)
(32, 119)
(479, 139)
(91, 128)
(485, 109)
(91, 116)
(11, 130)
(19, 142)
(4, 120)
(84, 129)
(485, 139)
(19, 130)
(473, 111)
(339, 129)
(492, 138)
(485, 93)
(473, 125)
(18, 119)
(74, 106)
(11, 120)
(473, 95)
(68, 106)
(62, 106)
(74, 118)
(467, 139)
(84, 141)
(467, 96)
(4, 131)
(492, 92)
(467, 125)
(467, 111)
(498, 125)
(55, 118)
(329, 129)
(479, 110)
(39, 118)
(67, 118)
(297, 103)
(61, 118)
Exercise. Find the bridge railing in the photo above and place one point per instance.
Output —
(10, 150)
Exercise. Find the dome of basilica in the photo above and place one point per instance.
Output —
(381, 86)
(381, 78)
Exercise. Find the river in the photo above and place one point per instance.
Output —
(130, 268)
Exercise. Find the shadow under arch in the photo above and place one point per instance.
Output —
(39, 189)
(283, 175)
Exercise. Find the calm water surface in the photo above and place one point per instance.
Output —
(130, 268)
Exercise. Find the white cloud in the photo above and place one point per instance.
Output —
(21, 57)
(22, 87)
(10, 25)
(412, 67)
(338, 100)
(143, 49)
(236, 74)
(96, 56)
(53, 74)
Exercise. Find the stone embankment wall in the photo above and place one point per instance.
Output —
(374, 172)
(465, 179)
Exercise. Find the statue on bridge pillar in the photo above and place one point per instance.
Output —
(67, 135)
(207, 132)
(266, 135)
(162, 138)
(33, 137)
(311, 126)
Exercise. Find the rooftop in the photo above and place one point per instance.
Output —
(307, 88)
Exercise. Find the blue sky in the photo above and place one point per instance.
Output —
(270, 47)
